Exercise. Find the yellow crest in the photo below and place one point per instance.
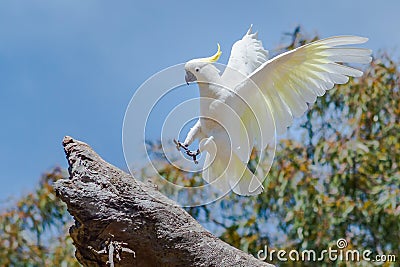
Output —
(215, 57)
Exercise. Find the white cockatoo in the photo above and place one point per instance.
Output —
(256, 98)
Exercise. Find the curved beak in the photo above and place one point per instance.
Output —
(189, 77)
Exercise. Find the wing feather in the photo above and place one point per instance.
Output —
(295, 78)
(247, 55)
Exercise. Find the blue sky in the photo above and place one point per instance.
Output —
(70, 67)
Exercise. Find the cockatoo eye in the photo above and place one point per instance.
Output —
(197, 69)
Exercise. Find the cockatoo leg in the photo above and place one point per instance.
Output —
(190, 153)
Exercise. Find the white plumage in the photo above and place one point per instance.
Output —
(256, 97)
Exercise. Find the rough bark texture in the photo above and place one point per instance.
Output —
(123, 222)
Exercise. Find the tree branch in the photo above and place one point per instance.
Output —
(140, 226)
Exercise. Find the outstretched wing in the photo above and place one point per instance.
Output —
(280, 89)
(287, 82)
(246, 56)
(295, 78)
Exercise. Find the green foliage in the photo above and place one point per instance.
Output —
(35, 231)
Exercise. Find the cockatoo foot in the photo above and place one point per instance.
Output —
(190, 153)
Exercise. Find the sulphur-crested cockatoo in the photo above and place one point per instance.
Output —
(256, 97)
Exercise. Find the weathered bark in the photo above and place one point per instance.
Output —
(123, 222)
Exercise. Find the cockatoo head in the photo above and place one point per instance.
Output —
(199, 68)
